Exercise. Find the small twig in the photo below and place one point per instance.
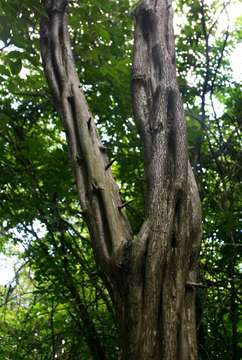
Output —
(125, 204)
(110, 163)
(194, 285)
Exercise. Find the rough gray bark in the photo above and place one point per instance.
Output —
(151, 278)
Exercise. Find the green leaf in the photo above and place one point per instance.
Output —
(15, 66)
(4, 70)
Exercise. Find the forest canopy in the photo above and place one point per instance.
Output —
(57, 305)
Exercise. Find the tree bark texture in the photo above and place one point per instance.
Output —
(151, 277)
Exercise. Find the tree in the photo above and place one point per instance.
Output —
(151, 277)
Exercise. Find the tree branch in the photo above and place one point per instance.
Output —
(98, 192)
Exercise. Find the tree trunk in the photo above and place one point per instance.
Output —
(151, 277)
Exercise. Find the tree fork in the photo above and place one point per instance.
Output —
(147, 276)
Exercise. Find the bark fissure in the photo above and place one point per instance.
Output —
(146, 275)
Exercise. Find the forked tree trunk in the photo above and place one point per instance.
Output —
(151, 277)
